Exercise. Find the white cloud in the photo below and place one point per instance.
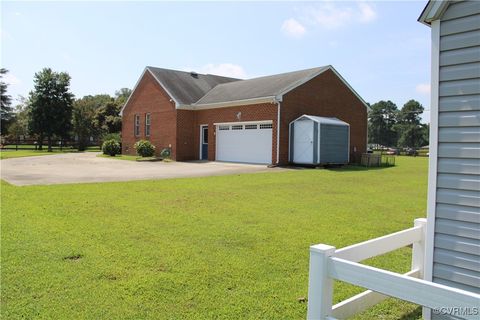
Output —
(333, 15)
(293, 28)
(329, 16)
(11, 79)
(367, 13)
(423, 88)
(221, 69)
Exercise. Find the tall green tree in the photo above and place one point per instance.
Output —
(51, 105)
(6, 111)
(382, 118)
(19, 124)
(83, 116)
(410, 130)
(122, 95)
(108, 119)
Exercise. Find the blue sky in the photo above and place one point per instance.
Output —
(379, 47)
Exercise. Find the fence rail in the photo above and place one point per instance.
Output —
(327, 264)
(22, 144)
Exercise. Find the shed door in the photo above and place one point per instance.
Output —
(250, 143)
(303, 141)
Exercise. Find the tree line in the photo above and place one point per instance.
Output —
(389, 126)
(51, 112)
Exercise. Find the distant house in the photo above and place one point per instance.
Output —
(203, 116)
(453, 238)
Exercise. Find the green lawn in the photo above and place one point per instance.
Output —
(7, 154)
(225, 247)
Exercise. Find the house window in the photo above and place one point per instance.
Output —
(147, 124)
(136, 125)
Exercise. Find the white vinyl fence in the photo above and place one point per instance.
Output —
(327, 264)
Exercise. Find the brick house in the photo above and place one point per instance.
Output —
(218, 118)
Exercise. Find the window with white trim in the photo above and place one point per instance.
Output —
(266, 126)
(147, 124)
(136, 125)
(223, 127)
(237, 127)
(250, 126)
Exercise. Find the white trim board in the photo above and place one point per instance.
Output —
(269, 99)
(433, 157)
(243, 122)
(433, 11)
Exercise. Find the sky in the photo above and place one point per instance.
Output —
(378, 47)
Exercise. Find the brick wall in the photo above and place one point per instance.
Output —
(187, 146)
(149, 97)
(325, 96)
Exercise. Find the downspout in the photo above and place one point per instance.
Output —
(278, 130)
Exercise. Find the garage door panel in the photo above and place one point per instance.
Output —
(251, 144)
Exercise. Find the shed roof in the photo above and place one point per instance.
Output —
(324, 120)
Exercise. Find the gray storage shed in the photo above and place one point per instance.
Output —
(318, 140)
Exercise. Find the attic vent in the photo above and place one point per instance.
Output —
(194, 74)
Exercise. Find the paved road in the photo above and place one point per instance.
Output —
(87, 167)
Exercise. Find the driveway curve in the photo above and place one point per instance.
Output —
(87, 167)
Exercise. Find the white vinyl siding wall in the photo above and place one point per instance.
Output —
(456, 256)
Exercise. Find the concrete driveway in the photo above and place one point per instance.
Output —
(87, 167)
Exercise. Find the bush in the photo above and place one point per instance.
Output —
(144, 148)
(111, 147)
(165, 153)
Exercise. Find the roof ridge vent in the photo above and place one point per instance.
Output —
(194, 74)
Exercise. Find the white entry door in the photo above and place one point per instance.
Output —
(249, 143)
(303, 142)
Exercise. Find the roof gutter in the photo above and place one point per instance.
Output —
(279, 99)
(433, 11)
(243, 102)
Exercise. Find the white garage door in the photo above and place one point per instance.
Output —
(250, 142)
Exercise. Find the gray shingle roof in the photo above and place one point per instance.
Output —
(184, 87)
(208, 90)
(258, 87)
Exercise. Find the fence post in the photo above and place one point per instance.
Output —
(418, 248)
(418, 257)
(320, 285)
